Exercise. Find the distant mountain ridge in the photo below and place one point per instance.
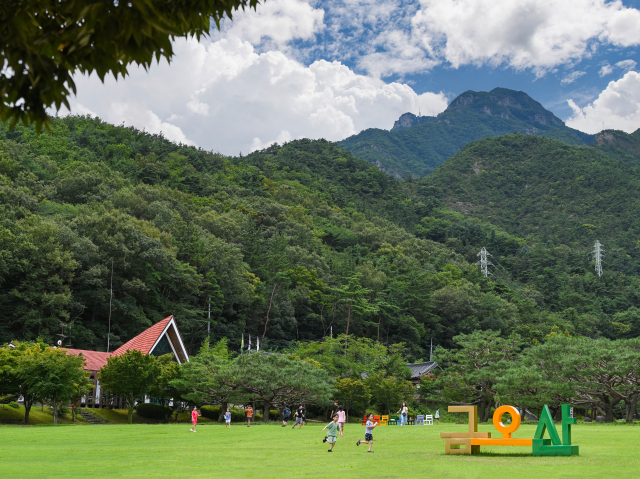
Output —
(407, 120)
(527, 185)
(417, 145)
(619, 145)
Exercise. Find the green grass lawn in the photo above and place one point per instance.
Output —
(37, 415)
(271, 451)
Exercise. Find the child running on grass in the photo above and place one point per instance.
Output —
(368, 433)
(194, 419)
(332, 432)
(227, 419)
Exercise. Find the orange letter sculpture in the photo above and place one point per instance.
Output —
(473, 439)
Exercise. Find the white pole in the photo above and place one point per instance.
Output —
(110, 299)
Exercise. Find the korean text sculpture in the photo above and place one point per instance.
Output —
(470, 442)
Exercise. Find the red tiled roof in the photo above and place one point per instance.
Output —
(144, 341)
(95, 359)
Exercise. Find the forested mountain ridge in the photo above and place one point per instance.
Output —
(188, 230)
(530, 185)
(288, 242)
(419, 149)
(619, 145)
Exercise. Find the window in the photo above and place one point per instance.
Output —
(163, 347)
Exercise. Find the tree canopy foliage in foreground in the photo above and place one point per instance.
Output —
(43, 43)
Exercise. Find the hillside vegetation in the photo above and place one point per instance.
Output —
(418, 150)
(619, 145)
(293, 242)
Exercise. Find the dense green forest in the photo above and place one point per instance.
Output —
(619, 145)
(471, 116)
(294, 242)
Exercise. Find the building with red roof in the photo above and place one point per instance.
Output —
(160, 339)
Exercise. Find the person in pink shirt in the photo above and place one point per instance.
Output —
(342, 418)
(194, 419)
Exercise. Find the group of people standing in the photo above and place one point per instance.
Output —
(334, 428)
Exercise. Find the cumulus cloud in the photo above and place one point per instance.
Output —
(571, 77)
(276, 22)
(228, 97)
(626, 65)
(398, 37)
(605, 70)
(618, 107)
(537, 34)
(134, 113)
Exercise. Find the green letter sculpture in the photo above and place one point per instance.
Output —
(553, 446)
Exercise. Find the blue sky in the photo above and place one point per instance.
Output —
(331, 68)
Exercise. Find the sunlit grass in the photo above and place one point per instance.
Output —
(271, 451)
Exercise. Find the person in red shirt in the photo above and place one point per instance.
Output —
(249, 415)
(194, 419)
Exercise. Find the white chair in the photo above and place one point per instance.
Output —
(428, 420)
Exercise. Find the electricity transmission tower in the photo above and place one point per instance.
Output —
(483, 263)
(597, 254)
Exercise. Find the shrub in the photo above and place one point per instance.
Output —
(8, 398)
(62, 410)
(14, 405)
(153, 411)
(213, 412)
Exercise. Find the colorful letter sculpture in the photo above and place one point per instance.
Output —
(470, 442)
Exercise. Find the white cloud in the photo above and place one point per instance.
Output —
(571, 77)
(537, 34)
(387, 37)
(618, 107)
(282, 138)
(276, 22)
(133, 113)
(80, 109)
(627, 65)
(198, 107)
(253, 99)
(605, 70)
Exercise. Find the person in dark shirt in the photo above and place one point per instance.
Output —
(299, 417)
(286, 412)
(334, 409)
(304, 415)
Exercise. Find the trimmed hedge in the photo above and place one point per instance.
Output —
(153, 411)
